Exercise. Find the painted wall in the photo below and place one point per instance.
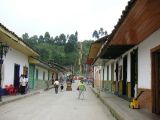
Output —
(13, 57)
(40, 73)
(50, 75)
(97, 76)
(144, 60)
(144, 63)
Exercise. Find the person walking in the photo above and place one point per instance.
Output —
(56, 85)
(81, 88)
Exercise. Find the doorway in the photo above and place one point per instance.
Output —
(156, 82)
(124, 83)
(16, 76)
(134, 71)
(116, 71)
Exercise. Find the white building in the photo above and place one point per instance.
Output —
(15, 62)
(130, 56)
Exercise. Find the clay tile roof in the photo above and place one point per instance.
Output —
(125, 12)
(1, 25)
(122, 18)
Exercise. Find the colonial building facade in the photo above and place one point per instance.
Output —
(128, 61)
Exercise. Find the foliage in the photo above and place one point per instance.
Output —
(100, 33)
(62, 49)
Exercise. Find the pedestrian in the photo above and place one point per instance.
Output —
(56, 85)
(23, 84)
(81, 88)
(62, 87)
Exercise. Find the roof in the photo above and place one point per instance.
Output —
(139, 20)
(94, 48)
(38, 62)
(59, 67)
(15, 42)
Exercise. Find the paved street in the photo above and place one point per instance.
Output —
(51, 106)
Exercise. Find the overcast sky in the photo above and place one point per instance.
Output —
(36, 17)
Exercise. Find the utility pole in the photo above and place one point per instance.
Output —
(80, 57)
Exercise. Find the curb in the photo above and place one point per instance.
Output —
(49, 88)
(18, 98)
(111, 109)
(24, 96)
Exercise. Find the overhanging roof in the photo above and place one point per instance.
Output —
(139, 20)
(11, 39)
(115, 51)
(35, 61)
(94, 49)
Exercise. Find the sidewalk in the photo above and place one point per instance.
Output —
(11, 98)
(120, 109)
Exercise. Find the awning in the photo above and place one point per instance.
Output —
(114, 51)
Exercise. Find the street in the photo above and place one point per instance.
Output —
(62, 106)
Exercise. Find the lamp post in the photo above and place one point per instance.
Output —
(3, 51)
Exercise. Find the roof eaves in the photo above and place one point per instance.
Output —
(125, 12)
(16, 36)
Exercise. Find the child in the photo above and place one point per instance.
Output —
(62, 87)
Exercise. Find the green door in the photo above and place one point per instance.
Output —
(31, 76)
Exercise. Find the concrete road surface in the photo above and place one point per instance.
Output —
(62, 106)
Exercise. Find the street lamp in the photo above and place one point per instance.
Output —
(3, 51)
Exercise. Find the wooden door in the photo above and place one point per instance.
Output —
(156, 82)
(124, 83)
(134, 71)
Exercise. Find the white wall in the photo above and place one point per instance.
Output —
(12, 57)
(144, 61)
(40, 73)
(50, 75)
(144, 73)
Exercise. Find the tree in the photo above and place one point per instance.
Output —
(47, 37)
(41, 39)
(101, 32)
(62, 39)
(34, 39)
(76, 34)
(72, 39)
(25, 36)
(95, 34)
(71, 44)
(56, 40)
(62, 48)
(52, 40)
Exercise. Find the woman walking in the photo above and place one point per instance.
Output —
(81, 88)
